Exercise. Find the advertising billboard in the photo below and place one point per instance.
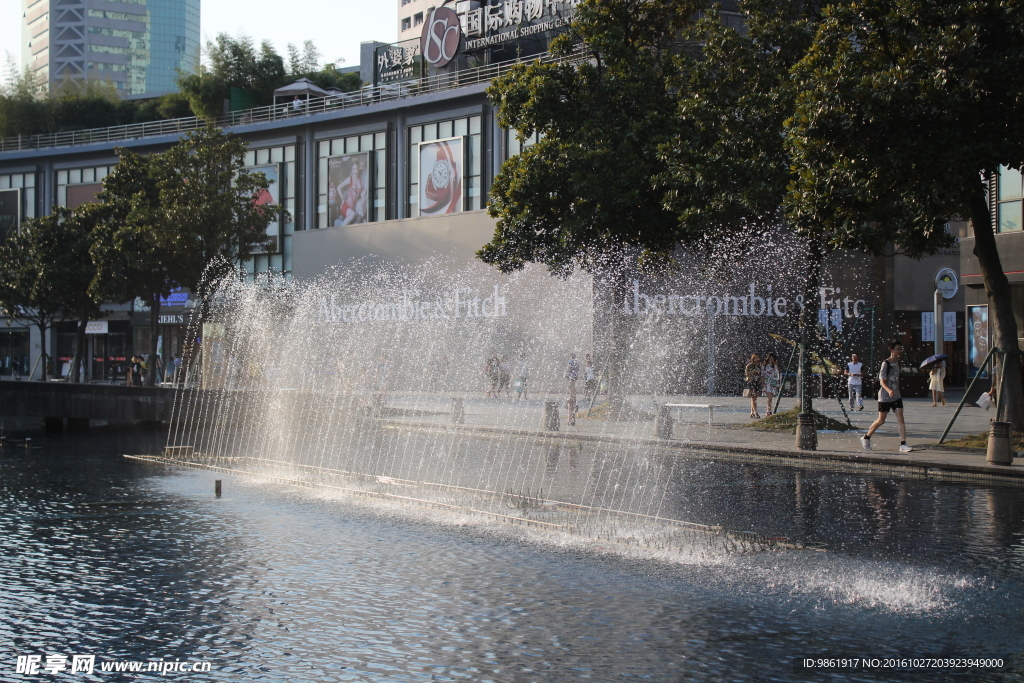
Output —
(348, 189)
(441, 164)
(270, 196)
(82, 194)
(10, 212)
(977, 340)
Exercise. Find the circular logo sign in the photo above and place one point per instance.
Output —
(945, 282)
(442, 33)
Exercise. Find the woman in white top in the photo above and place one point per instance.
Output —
(938, 389)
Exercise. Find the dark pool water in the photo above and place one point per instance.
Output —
(132, 562)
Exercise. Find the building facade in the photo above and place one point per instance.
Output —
(136, 45)
(422, 162)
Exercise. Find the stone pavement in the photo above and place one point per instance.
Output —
(692, 432)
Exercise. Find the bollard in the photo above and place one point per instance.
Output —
(999, 450)
(551, 416)
(216, 487)
(663, 423)
(28, 443)
(458, 411)
(806, 436)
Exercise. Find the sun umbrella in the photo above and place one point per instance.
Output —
(931, 360)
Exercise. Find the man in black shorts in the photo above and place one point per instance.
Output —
(889, 397)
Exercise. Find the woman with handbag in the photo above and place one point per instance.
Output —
(752, 383)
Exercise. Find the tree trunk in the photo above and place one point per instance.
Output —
(43, 359)
(1003, 321)
(154, 327)
(806, 432)
(79, 357)
(809, 323)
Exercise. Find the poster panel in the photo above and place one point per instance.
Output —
(441, 164)
(270, 196)
(977, 340)
(348, 189)
(949, 326)
(82, 194)
(928, 326)
(10, 212)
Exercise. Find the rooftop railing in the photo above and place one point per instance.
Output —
(359, 98)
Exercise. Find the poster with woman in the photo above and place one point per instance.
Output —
(441, 177)
(348, 189)
(270, 196)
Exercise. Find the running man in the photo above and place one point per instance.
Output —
(889, 397)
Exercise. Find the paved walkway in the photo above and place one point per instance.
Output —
(692, 432)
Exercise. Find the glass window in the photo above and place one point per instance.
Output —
(1008, 205)
(27, 183)
(279, 262)
(1009, 216)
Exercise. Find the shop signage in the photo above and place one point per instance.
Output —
(513, 19)
(397, 62)
(96, 327)
(171, 319)
(463, 303)
(10, 211)
(178, 297)
(442, 34)
(946, 282)
(753, 303)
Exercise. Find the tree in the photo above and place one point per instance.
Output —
(23, 106)
(166, 216)
(905, 108)
(236, 62)
(585, 196)
(46, 274)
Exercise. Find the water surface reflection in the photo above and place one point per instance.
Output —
(270, 583)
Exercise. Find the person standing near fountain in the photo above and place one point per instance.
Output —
(889, 398)
(772, 381)
(855, 381)
(492, 371)
(752, 383)
(572, 373)
(522, 374)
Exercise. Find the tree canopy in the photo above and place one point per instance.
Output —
(905, 109)
(236, 62)
(589, 184)
(43, 274)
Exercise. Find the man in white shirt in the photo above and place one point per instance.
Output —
(855, 382)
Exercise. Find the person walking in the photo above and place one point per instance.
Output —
(772, 381)
(752, 383)
(937, 374)
(889, 398)
(855, 382)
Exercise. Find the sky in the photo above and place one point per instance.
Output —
(336, 27)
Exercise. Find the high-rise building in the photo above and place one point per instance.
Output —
(411, 15)
(137, 45)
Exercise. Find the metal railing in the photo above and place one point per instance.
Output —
(359, 98)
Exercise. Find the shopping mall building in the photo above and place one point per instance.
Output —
(423, 145)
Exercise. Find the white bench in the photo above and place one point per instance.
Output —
(705, 406)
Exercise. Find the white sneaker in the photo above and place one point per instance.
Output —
(865, 442)
(904, 448)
